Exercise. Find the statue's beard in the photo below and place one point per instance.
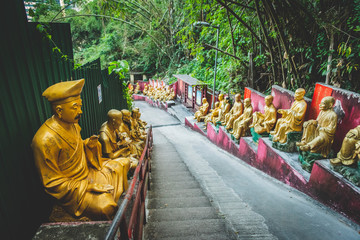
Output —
(78, 117)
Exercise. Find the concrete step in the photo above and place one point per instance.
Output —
(169, 166)
(190, 202)
(212, 236)
(182, 214)
(165, 174)
(190, 229)
(69, 231)
(176, 193)
(174, 178)
(155, 186)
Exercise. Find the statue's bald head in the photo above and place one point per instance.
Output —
(126, 115)
(238, 97)
(327, 103)
(268, 100)
(114, 118)
(299, 94)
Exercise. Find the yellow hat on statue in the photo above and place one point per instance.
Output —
(63, 92)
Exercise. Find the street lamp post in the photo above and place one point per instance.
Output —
(206, 24)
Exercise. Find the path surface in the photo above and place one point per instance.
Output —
(254, 205)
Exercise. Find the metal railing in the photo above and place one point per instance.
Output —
(138, 188)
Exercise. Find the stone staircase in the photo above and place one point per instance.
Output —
(177, 206)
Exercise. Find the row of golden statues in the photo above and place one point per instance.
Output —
(161, 93)
(316, 136)
(86, 177)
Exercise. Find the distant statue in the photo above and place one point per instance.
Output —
(234, 113)
(264, 122)
(131, 89)
(125, 127)
(241, 125)
(72, 169)
(203, 110)
(114, 144)
(349, 153)
(145, 91)
(318, 135)
(137, 125)
(172, 95)
(137, 89)
(224, 109)
(292, 119)
(214, 113)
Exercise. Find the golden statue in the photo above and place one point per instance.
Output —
(137, 89)
(318, 135)
(114, 144)
(131, 89)
(203, 110)
(72, 169)
(214, 113)
(292, 119)
(350, 149)
(241, 125)
(234, 113)
(172, 95)
(224, 109)
(264, 122)
(125, 127)
(145, 91)
(137, 126)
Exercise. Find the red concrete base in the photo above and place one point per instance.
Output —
(138, 97)
(247, 151)
(334, 190)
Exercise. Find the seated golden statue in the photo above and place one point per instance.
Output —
(203, 110)
(145, 91)
(264, 122)
(114, 144)
(292, 119)
(349, 153)
(125, 127)
(137, 124)
(131, 89)
(72, 169)
(214, 113)
(241, 125)
(318, 135)
(234, 113)
(224, 109)
(172, 95)
(137, 89)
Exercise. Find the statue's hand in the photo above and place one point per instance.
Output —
(100, 188)
(93, 141)
(350, 134)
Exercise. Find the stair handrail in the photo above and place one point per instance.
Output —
(140, 185)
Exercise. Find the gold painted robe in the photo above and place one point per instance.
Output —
(67, 166)
(291, 122)
(241, 125)
(203, 110)
(350, 148)
(320, 136)
(265, 122)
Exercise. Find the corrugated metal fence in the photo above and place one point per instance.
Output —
(28, 66)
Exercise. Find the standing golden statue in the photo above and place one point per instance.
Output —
(264, 122)
(241, 125)
(318, 135)
(349, 153)
(203, 110)
(234, 113)
(292, 119)
(72, 169)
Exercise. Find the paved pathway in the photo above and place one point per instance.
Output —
(254, 205)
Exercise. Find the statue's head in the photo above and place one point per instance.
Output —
(221, 97)
(247, 102)
(299, 94)
(204, 100)
(327, 103)
(114, 118)
(227, 99)
(136, 113)
(268, 100)
(126, 115)
(238, 97)
(65, 100)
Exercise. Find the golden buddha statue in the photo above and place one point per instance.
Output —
(72, 169)
(125, 127)
(292, 119)
(172, 95)
(131, 89)
(241, 125)
(114, 144)
(137, 89)
(214, 113)
(349, 153)
(264, 122)
(203, 110)
(224, 109)
(234, 113)
(318, 135)
(137, 125)
(145, 91)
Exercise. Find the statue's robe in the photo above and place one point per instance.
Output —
(350, 148)
(291, 122)
(234, 113)
(241, 125)
(203, 110)
(319, 137)
(264, 122)
(67, 166)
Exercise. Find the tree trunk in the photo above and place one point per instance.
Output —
(331, 48)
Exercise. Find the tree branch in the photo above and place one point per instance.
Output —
(226, 53)
(240, 4)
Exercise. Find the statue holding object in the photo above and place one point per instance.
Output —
(72, 169)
